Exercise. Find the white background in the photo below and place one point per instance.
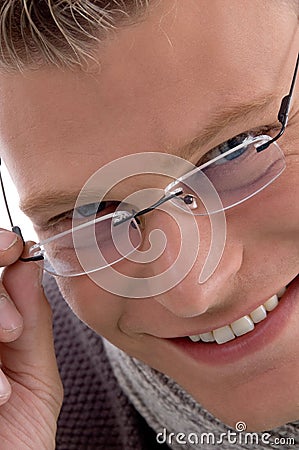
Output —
(18, 217)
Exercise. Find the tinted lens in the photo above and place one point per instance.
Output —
(96, 245)
(236, 176)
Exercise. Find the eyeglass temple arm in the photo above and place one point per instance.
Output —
(283, 114)
(15, 228)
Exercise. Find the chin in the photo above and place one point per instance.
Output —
(263, 403)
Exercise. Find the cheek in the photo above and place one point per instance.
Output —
(99, 309)
(268, 225)
(281, 213)
(275, 210)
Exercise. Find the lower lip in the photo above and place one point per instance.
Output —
(264, 332)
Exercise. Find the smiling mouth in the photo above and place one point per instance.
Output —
(243, 325)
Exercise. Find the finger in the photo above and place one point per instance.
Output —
(34, 349)
(11, 247)
(22, 281)
(11, 321)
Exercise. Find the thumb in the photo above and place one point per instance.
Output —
(33, 350)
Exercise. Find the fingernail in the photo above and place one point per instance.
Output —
(10, 318)
(5, 388)
(7, 240)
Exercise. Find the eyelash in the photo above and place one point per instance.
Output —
(68, 215)
(229, 143)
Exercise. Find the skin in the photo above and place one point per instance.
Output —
(154, 98)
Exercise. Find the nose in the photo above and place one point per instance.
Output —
(187, 297)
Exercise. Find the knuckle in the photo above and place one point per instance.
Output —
(11, 247)
(7, 239)
(11, 321)
(4, 398)
(7, 336)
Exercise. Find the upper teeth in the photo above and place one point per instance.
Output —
(241, 326)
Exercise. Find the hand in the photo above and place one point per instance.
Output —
(30, 386)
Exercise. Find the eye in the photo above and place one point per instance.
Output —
(234, 142)
(228, 145)
(80, 214)
(90, 209)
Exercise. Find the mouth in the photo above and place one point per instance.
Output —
(241, 326)
(246, 334)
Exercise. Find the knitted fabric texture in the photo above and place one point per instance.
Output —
(96, 414)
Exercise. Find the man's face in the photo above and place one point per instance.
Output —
(160, 83)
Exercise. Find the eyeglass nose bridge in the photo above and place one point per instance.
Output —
(178, 192)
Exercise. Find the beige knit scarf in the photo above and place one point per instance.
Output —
(167, 408)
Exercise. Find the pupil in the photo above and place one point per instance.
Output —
(234, 142)
(188, 199)
(91, 208)
(237, 153)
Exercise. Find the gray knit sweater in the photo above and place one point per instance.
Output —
(96, 414)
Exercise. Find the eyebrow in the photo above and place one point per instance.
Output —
(57, 200)
(55, 203)
(224, 118)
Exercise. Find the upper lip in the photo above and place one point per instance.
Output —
(223, 323)
(237, 315)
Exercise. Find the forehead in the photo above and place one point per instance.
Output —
(156, 84)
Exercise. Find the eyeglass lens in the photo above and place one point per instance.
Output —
(64, 256)
(236, 176)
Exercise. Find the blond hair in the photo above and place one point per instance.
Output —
(63, 33)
